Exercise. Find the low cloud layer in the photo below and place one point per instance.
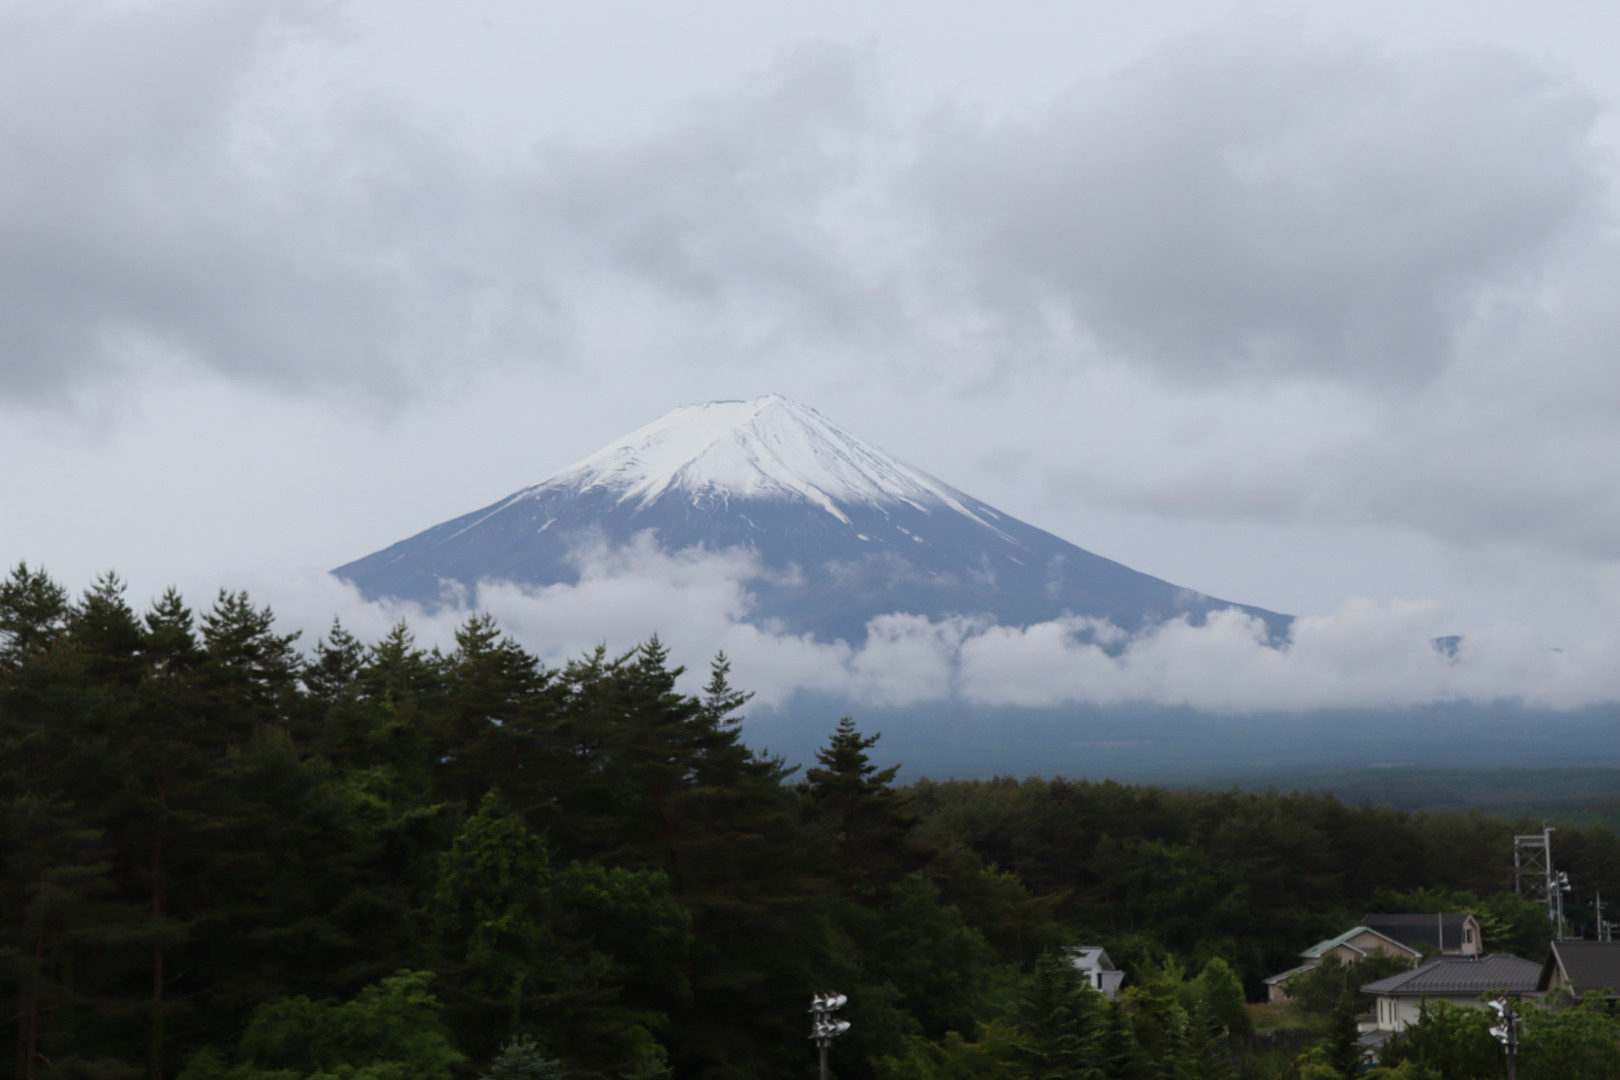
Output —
(1365, 655)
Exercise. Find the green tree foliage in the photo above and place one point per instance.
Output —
(209, 839)
(390, 1031)
(1450, 1042)
(1558, 1040)
(1060, 1020)
(994, 1056)
(1336, 1057)
(522, 1059)
(941, 969)
(1570, 1040)
(853, 805)
(492, 915)
(1333, 984)
(1221, 992)
(33, 612)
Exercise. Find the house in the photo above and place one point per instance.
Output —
(1460, 980)
(1448, 935)
(1348, 947)
(1581, 967)
(1092, 961)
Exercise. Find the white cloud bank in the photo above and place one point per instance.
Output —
(1363, 655)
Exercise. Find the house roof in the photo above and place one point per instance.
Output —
(1322, 948)
(1444, 932)
(1586, 965)
(1461, 975)
(1286, 975)
(1091, 958)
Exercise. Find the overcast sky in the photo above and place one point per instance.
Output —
(1315, 308)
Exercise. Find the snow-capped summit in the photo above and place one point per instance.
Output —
(842, 531)
(766, 448)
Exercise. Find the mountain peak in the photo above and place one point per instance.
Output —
(839, 532)
(767, 448)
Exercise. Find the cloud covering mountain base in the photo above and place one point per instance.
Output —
(1364, 655)
(1366, 684)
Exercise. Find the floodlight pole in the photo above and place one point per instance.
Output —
(1508, 1034)
(824, 1026)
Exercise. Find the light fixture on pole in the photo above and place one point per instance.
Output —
(824, 1026)
(1507, 1033)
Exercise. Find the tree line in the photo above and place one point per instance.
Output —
(226, 857)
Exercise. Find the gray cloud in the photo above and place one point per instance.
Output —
(1252, 199)
(201, 187)
(190, 185)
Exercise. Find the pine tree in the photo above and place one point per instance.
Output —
(33, 612)
(852, 803)
(335, 665)
(493, 719)
(1220, 988)
(67, 930)
(521, 1059)
(1062, 1021)
(250, 673)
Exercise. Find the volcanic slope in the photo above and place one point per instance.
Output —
(841, 532)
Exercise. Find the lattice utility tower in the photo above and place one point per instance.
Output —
(1533, 871)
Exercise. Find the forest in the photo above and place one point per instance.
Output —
(228, 857)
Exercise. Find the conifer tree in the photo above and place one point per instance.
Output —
(335, 665)
(65, 927)
(1061, 1019)
(1222, 991)
(249, 673)
(853, 805)
(33, 612)
(492, 724)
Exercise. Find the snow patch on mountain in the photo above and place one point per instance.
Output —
(767, 448)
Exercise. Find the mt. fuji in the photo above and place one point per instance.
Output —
(841, 532)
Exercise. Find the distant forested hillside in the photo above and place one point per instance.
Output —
(1589, 796)
(225, 857)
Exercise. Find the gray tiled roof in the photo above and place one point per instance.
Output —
(1445, 932)
(1461, 975)
(1590, 965)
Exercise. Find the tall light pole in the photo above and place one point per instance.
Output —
(1507, 1033)
(824, 1026)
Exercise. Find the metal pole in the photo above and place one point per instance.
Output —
(1508, 1034)
(824, 1026)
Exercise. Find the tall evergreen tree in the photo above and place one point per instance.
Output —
(492, 723)
(1062, 1021)
(852, 803)
(33, 612)
(249, 674)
